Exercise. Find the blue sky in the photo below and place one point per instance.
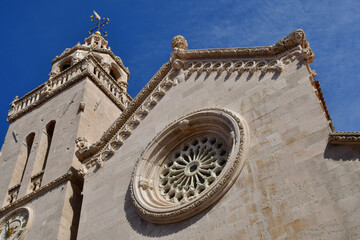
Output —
(140, 32)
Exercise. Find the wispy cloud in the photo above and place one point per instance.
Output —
(141, 33)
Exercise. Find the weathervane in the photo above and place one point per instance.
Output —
(99, 23)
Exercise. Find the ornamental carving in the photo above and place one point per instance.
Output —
(184, 63)
(82, 143)
(16, 224)
(296, 38)
(192, 168)
(179, 43)
(181, 173)
(344, 138)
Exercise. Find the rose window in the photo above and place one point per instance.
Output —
(189, 165)
(193, 167)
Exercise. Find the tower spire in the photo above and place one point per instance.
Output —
(100, 23)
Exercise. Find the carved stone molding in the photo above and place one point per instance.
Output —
(344, 138)
(167, 77)
(69, 176)
(182, 173)
(189, 67)
(296, 38)
(320, 96)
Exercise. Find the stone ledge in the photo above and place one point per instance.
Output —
(71, 175)
(295, 38)
(344, 138)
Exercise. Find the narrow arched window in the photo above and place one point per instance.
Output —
(22, 160)
(29, 142)
(44, 148)
(115, 73)
(49, 132)
(65, 66)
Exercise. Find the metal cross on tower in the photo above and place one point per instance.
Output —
(99, 24)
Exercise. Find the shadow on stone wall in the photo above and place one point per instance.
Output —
(156, 230)
(342, 152)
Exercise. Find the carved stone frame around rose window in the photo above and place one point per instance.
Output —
(144, 189)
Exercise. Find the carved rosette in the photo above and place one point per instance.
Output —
(16, 224)
(189, 165)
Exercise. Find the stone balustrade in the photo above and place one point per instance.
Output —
(55, 83)
(118, 90)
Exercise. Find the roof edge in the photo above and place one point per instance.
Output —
(295, 38)
(344, 138)
(89, 152)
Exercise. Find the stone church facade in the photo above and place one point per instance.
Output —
(230, 143)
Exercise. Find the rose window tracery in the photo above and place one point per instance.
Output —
(189, 165)
(192, 167)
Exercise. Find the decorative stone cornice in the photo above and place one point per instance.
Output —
(65, 79)
(320, 96)
(184, 63)
(294, 39)
(344, 138)
(72, 176)
(189, 67)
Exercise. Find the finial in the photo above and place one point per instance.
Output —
(179, 43)
(99, 24)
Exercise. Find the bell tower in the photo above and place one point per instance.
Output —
(84, 94)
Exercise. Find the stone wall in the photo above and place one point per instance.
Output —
(293, 183)
(53, 212)
(63, 142)
(71, 122)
